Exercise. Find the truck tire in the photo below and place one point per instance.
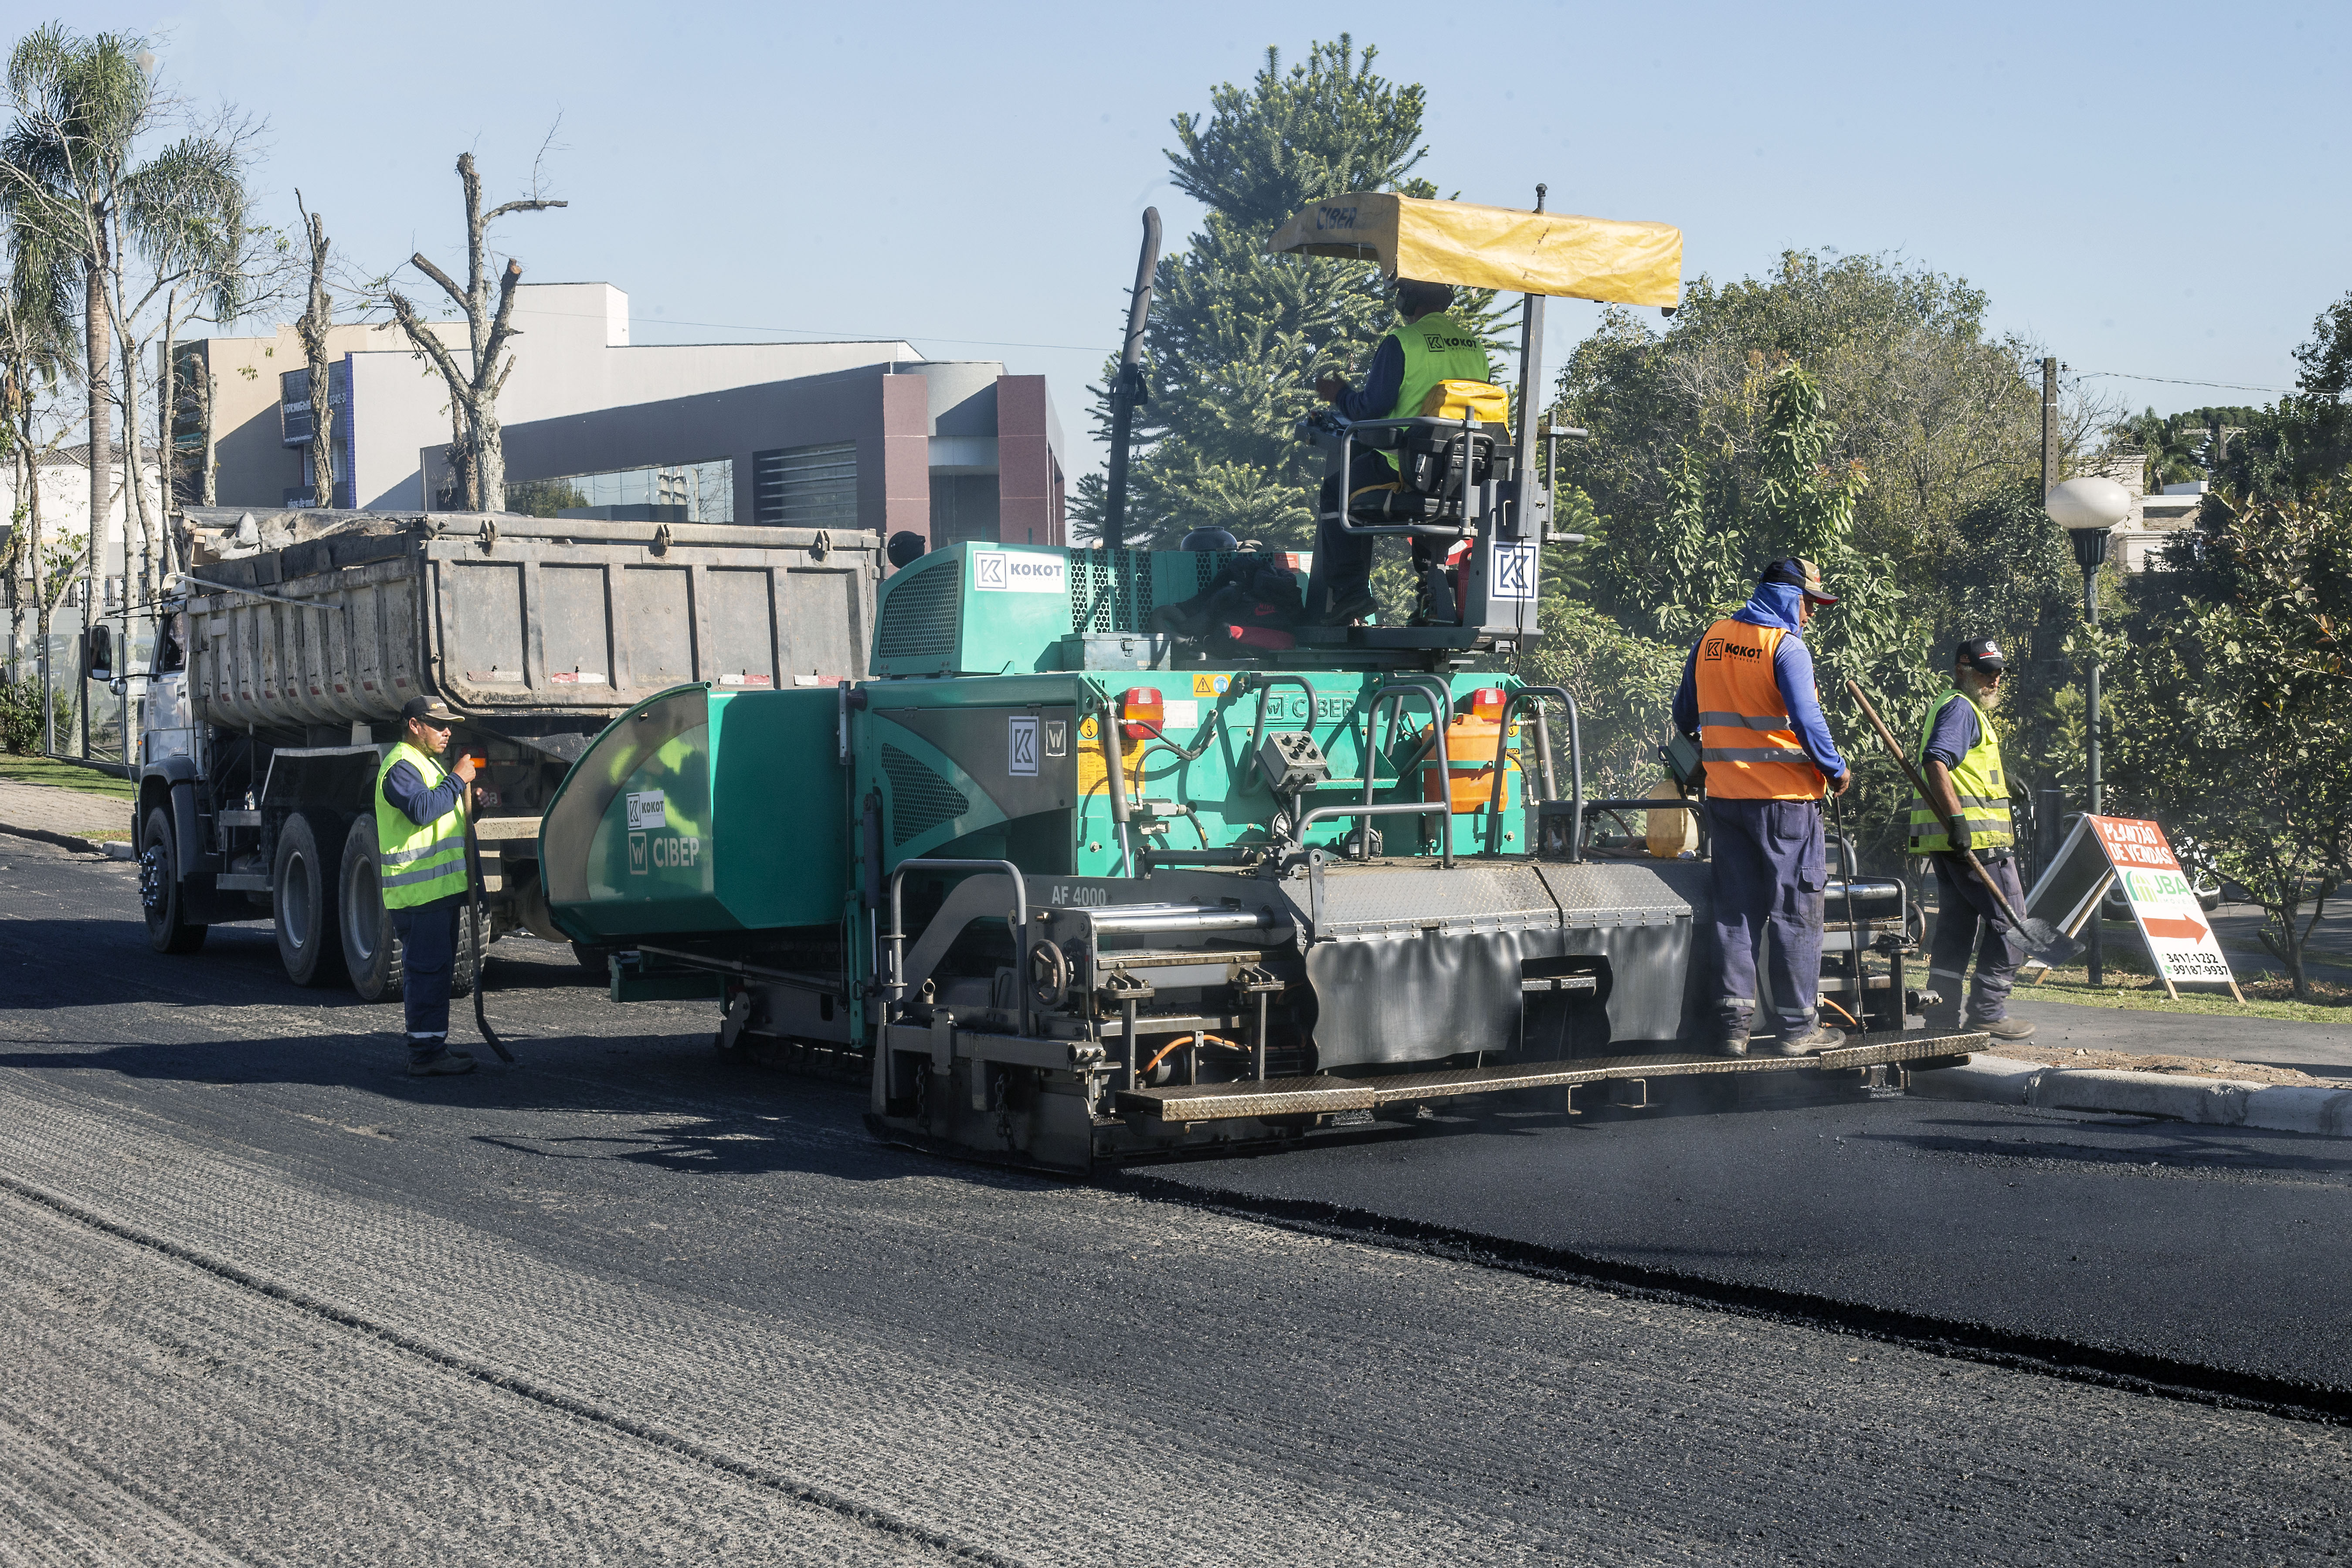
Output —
(303, 889)
(168, 928)
(465, 962)
(371, 946)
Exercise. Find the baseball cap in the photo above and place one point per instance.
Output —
(1799, 574)
(1980, 653)
(432, 709)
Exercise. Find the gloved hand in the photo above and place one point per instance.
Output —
(1958, 827)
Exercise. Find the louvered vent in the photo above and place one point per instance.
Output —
(919, 799)
(918, 616)
(1110, 590)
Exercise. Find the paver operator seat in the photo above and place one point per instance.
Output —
(1466, 480)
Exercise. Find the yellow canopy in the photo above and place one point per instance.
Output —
(1495, 248)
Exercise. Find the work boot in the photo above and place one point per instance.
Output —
(448, 1064)
(1821, 1037)
(1351, 606)
(2008, 1029)
(1732, 1040)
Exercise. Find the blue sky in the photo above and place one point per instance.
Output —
(2148, 189)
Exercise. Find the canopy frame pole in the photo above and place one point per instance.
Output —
(1523, 462)
(1129, 389)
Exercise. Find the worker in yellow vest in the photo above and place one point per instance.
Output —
(1968, 808)
(1748, 698)
(420, 835)
(1431, 345)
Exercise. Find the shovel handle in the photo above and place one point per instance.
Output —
(2016, 921)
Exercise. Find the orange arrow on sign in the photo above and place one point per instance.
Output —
(2186, 929)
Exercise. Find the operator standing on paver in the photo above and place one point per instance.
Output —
(1748, 698)
(420, 834)
(1959, 757)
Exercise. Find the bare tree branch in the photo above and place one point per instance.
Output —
(423, 264)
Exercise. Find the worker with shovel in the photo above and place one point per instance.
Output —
(1966, 808)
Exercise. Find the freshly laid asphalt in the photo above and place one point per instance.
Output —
(2209, 1256)
(264, 1299)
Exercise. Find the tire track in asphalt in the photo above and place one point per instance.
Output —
(812, 1412)
(201, 1357)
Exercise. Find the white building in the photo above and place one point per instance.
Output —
(63, 481)
(572, 355)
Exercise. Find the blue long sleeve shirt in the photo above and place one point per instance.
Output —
(1955, 735)
(1774, 605)
(1378, 395)
(404, 787)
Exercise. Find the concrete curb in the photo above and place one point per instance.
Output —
(71, 841)
(2207, 1102)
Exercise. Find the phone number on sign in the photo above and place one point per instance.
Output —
(2196, 966)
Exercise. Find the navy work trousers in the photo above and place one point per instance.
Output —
(1965, 925)
(428, 956)
(1343, 561)
(1768, 864)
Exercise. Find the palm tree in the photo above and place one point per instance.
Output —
(37, 352)
(76, 202)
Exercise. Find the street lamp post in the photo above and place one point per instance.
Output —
(2087, 509)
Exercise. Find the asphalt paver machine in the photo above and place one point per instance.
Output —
(1065, 887)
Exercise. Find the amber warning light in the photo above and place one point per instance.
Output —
(1141, 712)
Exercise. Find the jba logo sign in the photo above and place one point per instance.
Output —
(1002, 572)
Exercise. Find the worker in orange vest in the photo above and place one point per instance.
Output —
(1748, 698)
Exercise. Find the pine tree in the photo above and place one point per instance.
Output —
(1236, 338)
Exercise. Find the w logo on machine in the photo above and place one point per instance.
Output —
(1021, 745)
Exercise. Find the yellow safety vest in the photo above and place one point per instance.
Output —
(1438, 347)
(417, 865)
(1977, 780)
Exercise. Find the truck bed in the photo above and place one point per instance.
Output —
(330, 618)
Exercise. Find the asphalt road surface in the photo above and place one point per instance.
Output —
(264, 1299)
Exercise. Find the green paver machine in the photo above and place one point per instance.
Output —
(1065, 885)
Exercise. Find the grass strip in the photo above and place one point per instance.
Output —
(65, 775)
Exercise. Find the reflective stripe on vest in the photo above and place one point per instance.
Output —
(1978, 781)
(1751, 748)
(1438, 347)
(417, 865)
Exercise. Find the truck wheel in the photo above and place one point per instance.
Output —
(168, 930)
(303, 889)
(371, 946)
(465, 963)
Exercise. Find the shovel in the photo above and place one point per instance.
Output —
(2042, 940)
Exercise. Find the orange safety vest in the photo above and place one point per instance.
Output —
(1750, 749)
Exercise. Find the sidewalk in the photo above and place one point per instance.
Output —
(74, 818)
(2063, 1027)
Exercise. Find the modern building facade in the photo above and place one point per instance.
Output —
(841, 435)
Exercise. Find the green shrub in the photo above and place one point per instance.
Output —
(20, 715)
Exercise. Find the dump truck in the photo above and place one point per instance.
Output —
(1073, 876)
(287, 649)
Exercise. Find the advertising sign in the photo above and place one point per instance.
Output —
(2103, 851)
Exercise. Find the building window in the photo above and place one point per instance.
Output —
(806, 486)
(297, 426)
(665, 492)
(964, 506)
